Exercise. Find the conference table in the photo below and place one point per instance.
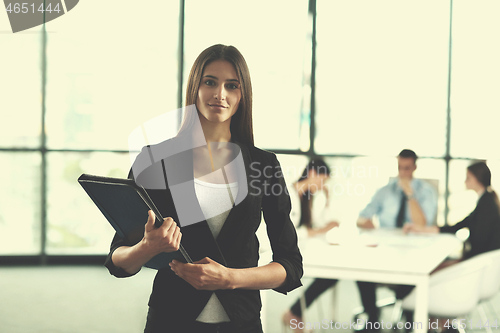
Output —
(382, 256)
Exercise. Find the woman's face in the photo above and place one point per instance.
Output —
(471, 182)
(219, 93)
(317, 181)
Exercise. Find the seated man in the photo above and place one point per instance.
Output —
(404, 199)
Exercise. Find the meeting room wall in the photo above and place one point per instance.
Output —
(354, 81)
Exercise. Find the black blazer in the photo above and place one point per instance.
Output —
(483, 224)
(236, 241)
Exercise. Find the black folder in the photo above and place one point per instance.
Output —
(125, 205)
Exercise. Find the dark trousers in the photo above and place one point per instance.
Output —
(313, 291)
(367, 291)
(158, 323)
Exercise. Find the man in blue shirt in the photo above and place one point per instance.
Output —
(421, 198)
(403, 199)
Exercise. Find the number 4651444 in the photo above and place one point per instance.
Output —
(25, 8)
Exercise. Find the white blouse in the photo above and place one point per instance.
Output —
(215, 203)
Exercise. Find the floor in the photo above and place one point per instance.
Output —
(86, 299)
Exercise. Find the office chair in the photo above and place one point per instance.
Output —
(490, 285)
(454, 291)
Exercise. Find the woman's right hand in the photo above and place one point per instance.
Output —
(412, 227)
(318, 231)
(166, 238)
(330, 225)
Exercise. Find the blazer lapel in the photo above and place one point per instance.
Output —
(197, 238)
(243, 204)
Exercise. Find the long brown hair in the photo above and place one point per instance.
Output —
(321, 168)
(483, 175)
(241, 122)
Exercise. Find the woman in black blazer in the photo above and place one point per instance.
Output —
(483, 222)
(219, 115)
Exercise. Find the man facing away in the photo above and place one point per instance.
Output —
(403, 199)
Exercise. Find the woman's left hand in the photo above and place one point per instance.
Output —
(204, 274)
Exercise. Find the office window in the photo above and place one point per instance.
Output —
(75, 225)
(20, 87)
(382, 69)
(20, 203)
(108, 75)
(273, 38)
(20, 130)
(475, 107)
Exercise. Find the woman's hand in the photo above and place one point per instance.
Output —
(412, 227)
(365, 223)
(318, 231)
(205, 274)
(166, 238)
(330, 225)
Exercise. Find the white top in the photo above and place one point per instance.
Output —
(321, 213)
(215, 203)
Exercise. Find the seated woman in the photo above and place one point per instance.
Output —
(483, 222)
(310, 223)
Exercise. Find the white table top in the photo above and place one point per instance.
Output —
(378, 250)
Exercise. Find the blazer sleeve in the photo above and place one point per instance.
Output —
(451, 229)
(116, 243)
(276, 208)
(115, 270)
(466, 222)
(484, 211)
